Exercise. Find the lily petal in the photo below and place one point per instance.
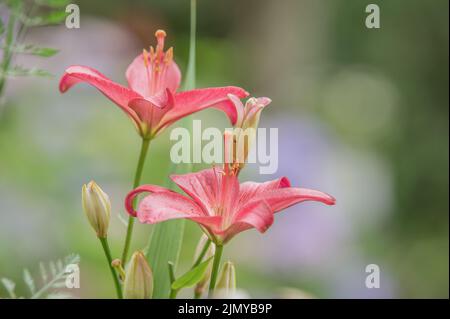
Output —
(248, 190)
(139, 77)
(240, 112)
(163, 204)
(150, 110)
(256, 214)
(115, 92)
(201, 186)
(282, 198)
(189, 102)
(138, 190)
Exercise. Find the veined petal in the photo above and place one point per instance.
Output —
(189, 102)
(150, 110)
(248, 190)
(240, 112)
(114, 91)
(256, 214)
(201, 186)
(163, 204)
(139, 77)
(138, 190)
(282, 198)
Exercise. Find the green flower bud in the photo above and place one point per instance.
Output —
(138, 283)
(97, 207)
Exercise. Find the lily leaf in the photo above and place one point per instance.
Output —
(192, 277)
(164, 246)
(2, 27)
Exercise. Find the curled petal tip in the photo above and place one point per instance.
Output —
(284, 182)
(327, 199)
(332, 200)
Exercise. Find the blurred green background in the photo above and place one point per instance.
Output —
(362, 114)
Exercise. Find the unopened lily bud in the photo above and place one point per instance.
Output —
(226, 285)
(252, 111)
(97, 207)
(201, 285)
(138, 283)
(246, 125)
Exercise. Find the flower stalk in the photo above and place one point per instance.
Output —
(107, 251)
(137, 179)
(202, 253)
(173, 292)
(215, 269)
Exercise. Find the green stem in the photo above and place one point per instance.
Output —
(197, 295)
(202, 254)
(190, 73)
(215, 269)
(137, 179)
(173, 292)
(105, 246)
(7, 53)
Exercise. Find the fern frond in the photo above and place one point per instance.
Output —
(29, 281)
(43, 270)
(58, 271)
(53, 276)
(10, 287)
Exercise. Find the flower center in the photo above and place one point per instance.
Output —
(157, 62)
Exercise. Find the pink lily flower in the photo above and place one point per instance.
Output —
(219, 203)
(151, 99)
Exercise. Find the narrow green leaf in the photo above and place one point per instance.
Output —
(189, 83)
(164, 247)
(192, 277)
